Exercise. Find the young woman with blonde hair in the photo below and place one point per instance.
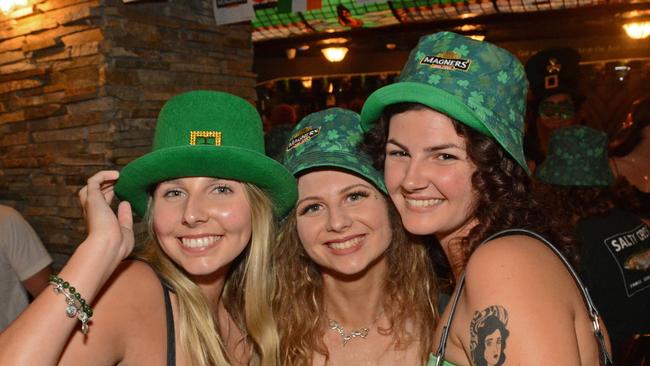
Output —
(352, 286)
(208, 194)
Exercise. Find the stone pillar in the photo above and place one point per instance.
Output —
(81, 83)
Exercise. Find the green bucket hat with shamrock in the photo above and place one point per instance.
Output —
(476, 83)
(207, 134)
(577, 156)
(329, 139)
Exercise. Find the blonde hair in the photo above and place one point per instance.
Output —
(245, 294)
(410, 295)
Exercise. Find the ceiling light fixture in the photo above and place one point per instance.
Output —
(334, 54)
(338, 40)
(637, 30)
(306, 82)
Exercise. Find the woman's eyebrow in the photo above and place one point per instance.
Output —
(442, 147)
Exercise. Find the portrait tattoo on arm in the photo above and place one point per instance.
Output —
(488, 334)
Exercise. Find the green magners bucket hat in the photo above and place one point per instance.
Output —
(577, 156)
(329, 139)
(207, 134)
(476, 83)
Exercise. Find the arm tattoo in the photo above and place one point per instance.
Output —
(488, 334)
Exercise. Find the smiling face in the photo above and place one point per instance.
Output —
(428, 173)
(201, 223)
(343, 224)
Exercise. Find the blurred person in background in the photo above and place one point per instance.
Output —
(553, 103)
(280, 123)
(577, 183)
(24, 264)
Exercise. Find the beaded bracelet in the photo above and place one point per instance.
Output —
(77, 306)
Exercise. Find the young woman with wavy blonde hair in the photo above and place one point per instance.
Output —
(352, 286)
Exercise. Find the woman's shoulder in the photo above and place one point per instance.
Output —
(134, 277)
(520, 283)
(133, 285)
(511, 248)
(517, 262)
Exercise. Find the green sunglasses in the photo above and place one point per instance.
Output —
(561, 110)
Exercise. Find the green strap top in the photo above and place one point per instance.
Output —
(433, 361)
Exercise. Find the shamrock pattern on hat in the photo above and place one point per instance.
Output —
(334, 145)
(493, 87)
(577, 156)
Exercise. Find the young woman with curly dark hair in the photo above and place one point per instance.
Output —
(448, 136)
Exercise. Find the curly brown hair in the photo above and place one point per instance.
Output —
(410, 294)
(575, 203)
(504, 193)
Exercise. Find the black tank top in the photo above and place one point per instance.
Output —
(169, 315)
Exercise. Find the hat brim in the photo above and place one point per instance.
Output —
(139, 176)
(414, 92)
(324, 160)
(432, 97)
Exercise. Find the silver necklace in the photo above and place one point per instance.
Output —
(345, 338)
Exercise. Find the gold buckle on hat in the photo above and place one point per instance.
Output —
(205, 137)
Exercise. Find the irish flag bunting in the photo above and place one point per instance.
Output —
(295, 6)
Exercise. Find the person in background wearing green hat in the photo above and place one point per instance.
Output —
(577, 183)
(207, 193)
(352, 286)
(553, 74)
(448, 136)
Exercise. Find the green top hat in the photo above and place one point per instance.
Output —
(553, 71)
(329, 139)
(577, 156)
(207, 134)
(476, 83)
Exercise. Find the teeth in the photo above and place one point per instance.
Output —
(424, 203)
(200, 242)
(346, 244)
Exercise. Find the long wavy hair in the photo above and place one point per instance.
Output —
(410, 294)
(246, 293)
(503, 190)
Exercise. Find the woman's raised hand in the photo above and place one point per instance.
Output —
(104, 226)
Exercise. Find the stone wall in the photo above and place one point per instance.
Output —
(81, 83)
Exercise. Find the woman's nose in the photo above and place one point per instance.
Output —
(414, 178)
(194, 211)
(338, 219)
